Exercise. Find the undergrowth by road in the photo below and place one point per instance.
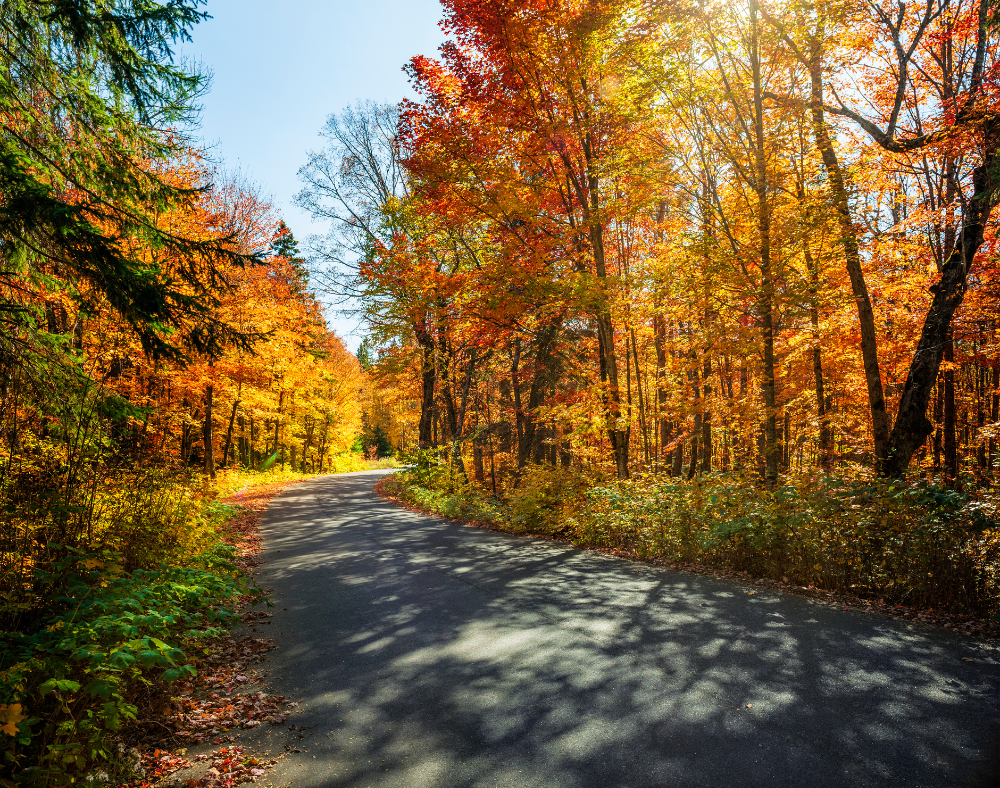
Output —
(404, 490)
(118, 670)
(228, 693)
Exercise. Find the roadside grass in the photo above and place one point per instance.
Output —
(912, 550)
(100, 628)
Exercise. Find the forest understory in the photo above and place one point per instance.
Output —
(123, 671)
(908, 557)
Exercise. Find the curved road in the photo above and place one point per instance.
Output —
(427, 653)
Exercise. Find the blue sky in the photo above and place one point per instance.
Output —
(281, 68)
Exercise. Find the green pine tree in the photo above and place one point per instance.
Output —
(285, 245)
(91, 100)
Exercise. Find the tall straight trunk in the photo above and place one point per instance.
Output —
(696, 432)
(530, 434)
(307, 444)
(786, 440)
(588, 197)
(232, 421)
(743, 447)
(695, 435)
(447, 362)
(208, 433)
(662, 433)
(660, 341)
(515, 384)
(459, 426)
(938, 419)
(912, 427)
(619, 438)
(980, 419)
(185, 438)
(706, 419)
(241, 441)
(994, 416)
(565, 449)
(608, 357)
(322, 445)
(428, 376)
(950, 435)
(277, 419)
(766, 294)
(478, 467)
(726, 388)
(707, 235)
(852, 261)
(642, 402)
(489, 434)
(825, 443)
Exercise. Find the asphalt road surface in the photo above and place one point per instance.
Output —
(428, 653)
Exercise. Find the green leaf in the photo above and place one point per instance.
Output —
(58, 685)
(150, 658)
(101, 688)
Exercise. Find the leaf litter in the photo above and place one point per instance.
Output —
(226, 695)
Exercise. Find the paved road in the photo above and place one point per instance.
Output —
(428, 653)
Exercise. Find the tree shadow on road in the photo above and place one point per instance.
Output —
(427, 653)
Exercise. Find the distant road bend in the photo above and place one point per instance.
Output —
(430, 654)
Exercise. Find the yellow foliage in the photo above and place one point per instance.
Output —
(9, 717)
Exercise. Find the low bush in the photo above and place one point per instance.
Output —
(545, 501)
(915, 543)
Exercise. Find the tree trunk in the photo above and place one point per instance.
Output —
(912, 427)
(825, 444)
(229, 432)
(489, 434)
(478, 467)
(852, 261)
(277, 420)
(660, 341)
(307, 444)
(515, 384)
(706, 419)
(950, 435)
(208, 433)
(642, 400)
(530, 434)
(456, 446)
(981, 378)
(427, 379)
(766, 295)
(608, 358)
(322, 444)
(696, 432)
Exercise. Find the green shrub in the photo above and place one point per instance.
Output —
(545, 500)
(65, 687)
(912, 543)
